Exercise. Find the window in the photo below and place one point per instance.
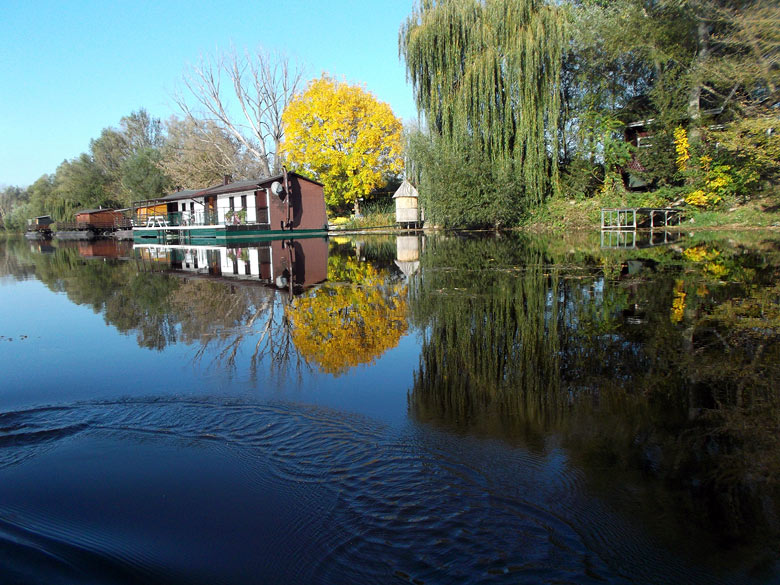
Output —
(231, 203)
(243, 202)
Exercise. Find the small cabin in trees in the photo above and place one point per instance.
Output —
(407, 211)
(40, 223)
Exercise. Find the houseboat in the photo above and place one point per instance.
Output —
(289, 265)
(39, 228)
(93, 223)
(286, 205)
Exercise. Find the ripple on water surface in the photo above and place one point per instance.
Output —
(206, 492)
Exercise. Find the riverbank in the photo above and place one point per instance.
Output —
(565, 214)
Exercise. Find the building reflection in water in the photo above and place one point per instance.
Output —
(290, 265)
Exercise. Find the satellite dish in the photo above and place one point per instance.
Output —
(277, 189)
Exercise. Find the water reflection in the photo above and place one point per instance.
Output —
(627, 239)
(290, 303)
(290, 265)
(358, 316)
(664, 365)
(605, 404)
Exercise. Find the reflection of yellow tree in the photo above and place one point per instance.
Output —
(678, 304)
(342, 326)
(710, 258)
(350, 269)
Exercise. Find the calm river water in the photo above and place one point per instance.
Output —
(441, 409)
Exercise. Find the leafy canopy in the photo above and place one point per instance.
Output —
(486, 75)
(344, 137)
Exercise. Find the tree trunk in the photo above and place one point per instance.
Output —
(694, 94)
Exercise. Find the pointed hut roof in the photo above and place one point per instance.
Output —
(406, 190)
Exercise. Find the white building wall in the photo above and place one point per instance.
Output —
(223, 205)
(251, 208)
(254, 261)
(191, 210)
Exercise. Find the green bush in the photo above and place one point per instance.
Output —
(461, 187)
(659, 160)
(581, 179)
(752, 147)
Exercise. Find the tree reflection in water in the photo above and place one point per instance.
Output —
(353, 320)
(662, 362)
(253, 303)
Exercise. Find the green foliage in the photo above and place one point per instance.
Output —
(661, 197)
(658, 159)
(743, 67)
(11, 198)
(752, 147)
(17, 220)
(142, 177)
(373, 214)
(368, 221)
(235, 216)
(78, 183)
(581, 178)
(621, 51)
(463, 188)
(486, 76)
(670, 63)
(129, 158)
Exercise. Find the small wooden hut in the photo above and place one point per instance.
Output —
(39, 228)
(407, 212)
(42, 222)
(99, 218)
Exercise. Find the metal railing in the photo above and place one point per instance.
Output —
(102, 224)
(177, 218)
(196, 218)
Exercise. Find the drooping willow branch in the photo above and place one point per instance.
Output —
(486, 75)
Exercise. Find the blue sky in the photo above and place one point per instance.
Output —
(70, 69)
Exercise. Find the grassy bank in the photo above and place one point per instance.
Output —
(376, 214)
(565, 214)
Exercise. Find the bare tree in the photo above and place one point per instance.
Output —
(199, 153)
(246, 95)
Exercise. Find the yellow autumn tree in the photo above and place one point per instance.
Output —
(344, 137)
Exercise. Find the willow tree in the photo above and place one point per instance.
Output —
(486, 77)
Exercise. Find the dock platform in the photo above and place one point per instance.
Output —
(632, 218)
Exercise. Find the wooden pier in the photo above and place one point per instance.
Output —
(632, 218)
